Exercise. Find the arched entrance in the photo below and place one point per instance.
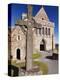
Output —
(18, 54)
(42, 45)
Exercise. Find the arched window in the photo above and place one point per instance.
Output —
(43, 45)
(40, 31)
(42, 18)
(18, 37)
(43, 30)
(18, 53)
(48, 31)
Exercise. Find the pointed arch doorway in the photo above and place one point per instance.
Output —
(43, 45)
(18, 56)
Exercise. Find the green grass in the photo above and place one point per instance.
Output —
(19, 64)
(36, 55)
(42, 66)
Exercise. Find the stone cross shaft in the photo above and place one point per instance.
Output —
(29, 37)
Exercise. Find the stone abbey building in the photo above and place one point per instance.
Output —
(43, 36)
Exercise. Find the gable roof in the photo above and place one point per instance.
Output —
(41, 15)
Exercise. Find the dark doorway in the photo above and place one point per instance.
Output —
(18, 53)
(42, 45)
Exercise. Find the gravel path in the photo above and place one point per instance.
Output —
(52, 64)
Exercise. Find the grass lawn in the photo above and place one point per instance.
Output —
(42, 66)
(20, 64)
(36, 55)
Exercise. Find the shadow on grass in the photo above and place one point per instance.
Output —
(53, 57)
(13, 70)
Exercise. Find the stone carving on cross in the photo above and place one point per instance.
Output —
(29, 23)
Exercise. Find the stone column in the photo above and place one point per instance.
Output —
(52, 43)
(29, 49)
